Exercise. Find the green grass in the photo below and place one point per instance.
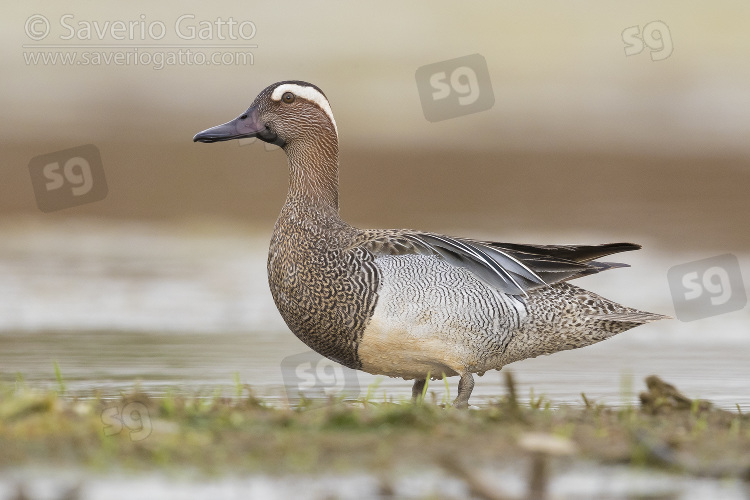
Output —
(58, 376)
(217, 434)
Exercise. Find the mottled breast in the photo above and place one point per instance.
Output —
(324, 290)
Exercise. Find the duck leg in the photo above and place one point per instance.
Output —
(465, 386)
(417, 388)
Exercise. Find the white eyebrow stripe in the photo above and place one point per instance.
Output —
(308, 93)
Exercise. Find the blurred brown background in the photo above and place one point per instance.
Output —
(582, 139)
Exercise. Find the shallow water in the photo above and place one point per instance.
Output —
(579, 481)
(188, 306)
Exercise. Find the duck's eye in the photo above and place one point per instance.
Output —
(243, 117)
(288, 97)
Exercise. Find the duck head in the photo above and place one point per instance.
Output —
(283, 113)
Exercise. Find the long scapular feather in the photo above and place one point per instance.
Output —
(498, 268)
(514, 269)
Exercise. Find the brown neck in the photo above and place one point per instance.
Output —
(314, 173)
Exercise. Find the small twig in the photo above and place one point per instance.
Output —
(510, 384)
(586, 400)
(477, 487)
(538, 477)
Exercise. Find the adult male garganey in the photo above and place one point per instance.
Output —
(407, 303)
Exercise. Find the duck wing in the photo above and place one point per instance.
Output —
(514, 269)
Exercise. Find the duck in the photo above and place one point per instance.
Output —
(406, 303)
